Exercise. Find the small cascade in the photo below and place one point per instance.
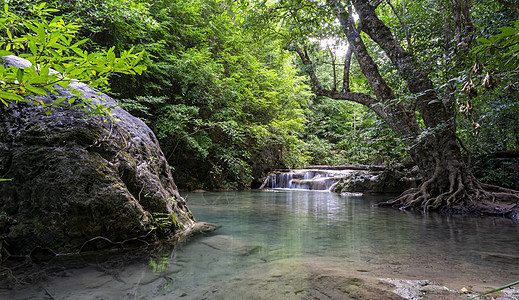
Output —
(316, 180)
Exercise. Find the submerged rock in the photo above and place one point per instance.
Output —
(77, 178)
(230, 244)
(316, 278)
(421, 289)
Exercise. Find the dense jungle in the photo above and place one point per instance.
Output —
(234, 90)
(229, 98)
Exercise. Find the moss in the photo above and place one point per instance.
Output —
(166, 223)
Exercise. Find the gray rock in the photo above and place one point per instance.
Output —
(230, 244)
(372, 182)
(76, 178)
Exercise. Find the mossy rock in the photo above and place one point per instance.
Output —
(76, 177)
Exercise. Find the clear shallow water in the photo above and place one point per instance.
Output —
(259, 227)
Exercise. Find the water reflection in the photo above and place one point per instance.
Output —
(257, 227)
(298, 223)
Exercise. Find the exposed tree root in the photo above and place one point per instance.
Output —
(465, 195)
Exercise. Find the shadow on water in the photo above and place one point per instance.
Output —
(261, 227)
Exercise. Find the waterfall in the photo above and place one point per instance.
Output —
(317, 180)
(346, 179)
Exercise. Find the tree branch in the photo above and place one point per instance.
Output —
(401, 121)
(318, 89)
(431, 108)
(316, 83)
(464, 28)
(368, 66)
(346, 73)
(404, 25)
(333, 58)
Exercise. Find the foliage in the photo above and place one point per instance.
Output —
(493, 106)
(49, 43)
(165, 223)
(504, 45)
(116, 23)
(339, 132)
(214, 97)
(228, 101)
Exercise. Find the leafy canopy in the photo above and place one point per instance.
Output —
(57, 59)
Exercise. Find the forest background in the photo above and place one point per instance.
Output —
(229, 101)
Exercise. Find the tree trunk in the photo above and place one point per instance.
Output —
(448, 185)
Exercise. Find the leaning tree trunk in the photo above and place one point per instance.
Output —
(448, 184)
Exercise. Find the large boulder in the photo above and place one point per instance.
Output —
(80, 182)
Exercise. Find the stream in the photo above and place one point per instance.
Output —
(277, 244)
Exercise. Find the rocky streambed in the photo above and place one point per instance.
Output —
(332, 278)
(163, 277)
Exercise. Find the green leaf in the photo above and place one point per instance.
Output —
(59, 100)
(79, 43)
(34, 48)
(483, 40)
(79, 51)
(19, 75)
(5, 53)
(10, 96)
(508, 31)
(36, 90)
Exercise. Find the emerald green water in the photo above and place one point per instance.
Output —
(258, 227)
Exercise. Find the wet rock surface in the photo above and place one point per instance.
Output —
(76, 177)
(373, 182)
(229, 244)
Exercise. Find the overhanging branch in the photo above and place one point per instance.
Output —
(318, 89)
